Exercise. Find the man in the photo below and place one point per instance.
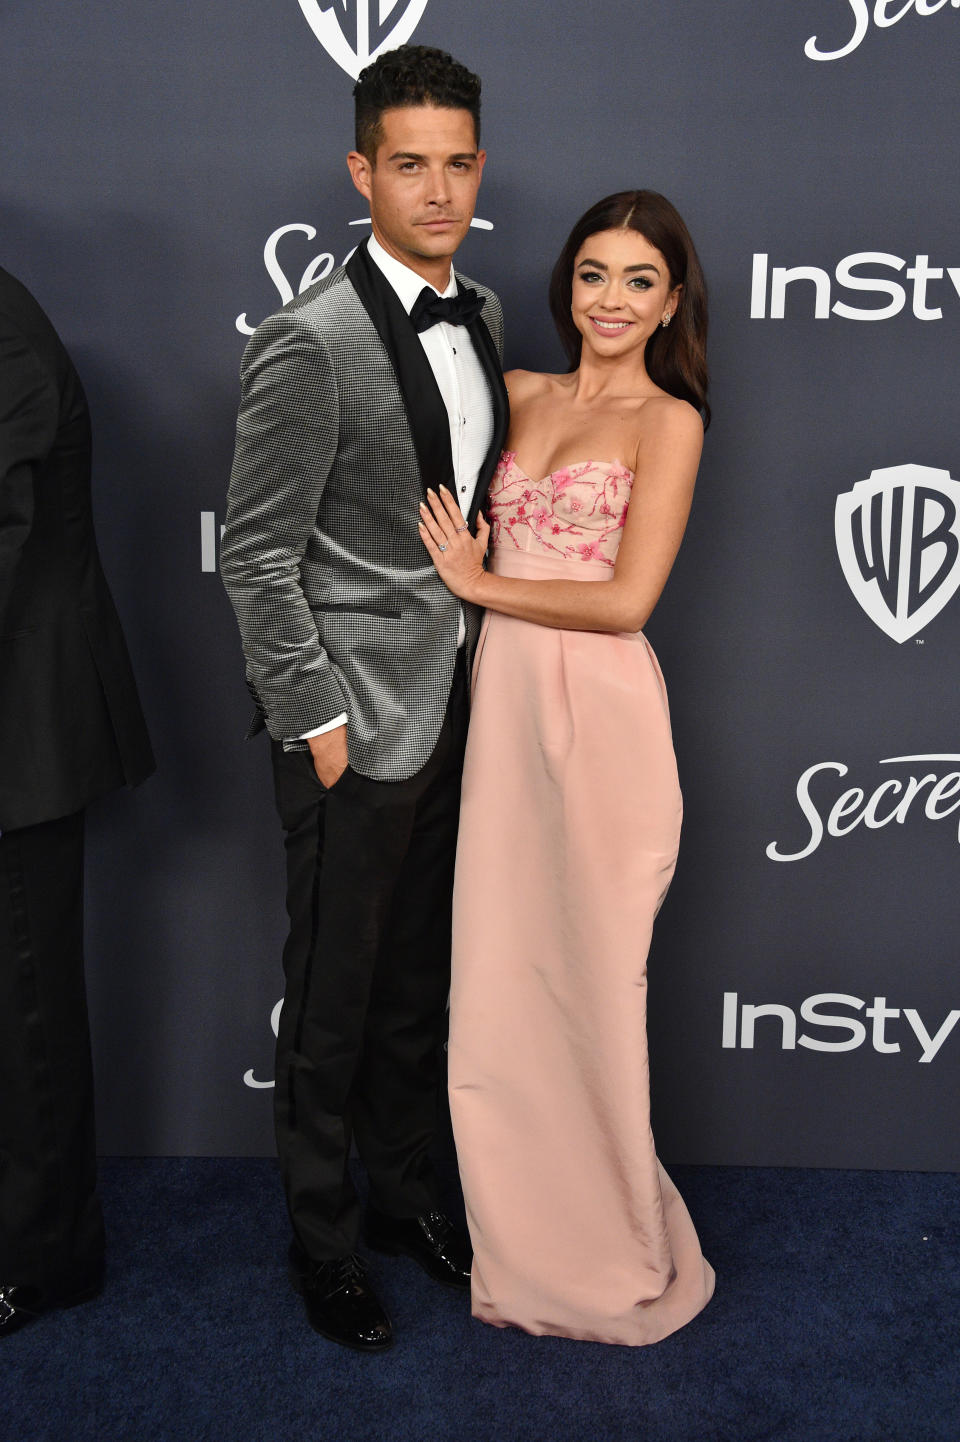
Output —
(357, 397)
(71, 729)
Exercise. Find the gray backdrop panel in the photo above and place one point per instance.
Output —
(158, 148)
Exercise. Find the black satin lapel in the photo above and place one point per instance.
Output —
(426, 412)
(490, 361)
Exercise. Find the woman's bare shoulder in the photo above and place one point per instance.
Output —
(666, 415)
(526, 385)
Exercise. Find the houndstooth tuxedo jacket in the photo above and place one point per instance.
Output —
(341, 428)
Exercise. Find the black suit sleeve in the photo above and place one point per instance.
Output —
(28, 422)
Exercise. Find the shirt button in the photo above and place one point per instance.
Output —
(454, 349)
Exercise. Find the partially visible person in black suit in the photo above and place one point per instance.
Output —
(71, 728)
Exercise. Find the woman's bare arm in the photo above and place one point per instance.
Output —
(668, 453)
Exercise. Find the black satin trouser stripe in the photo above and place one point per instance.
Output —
(51, 1231)
(367, 964)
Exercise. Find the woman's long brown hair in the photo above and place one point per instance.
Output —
(676, 355)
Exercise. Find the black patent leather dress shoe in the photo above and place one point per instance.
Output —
(341, 1304)
(14, 1311)
(442, 1249)
(20, 1305)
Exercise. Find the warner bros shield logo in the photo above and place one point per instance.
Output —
(898, 538)
(354, 32)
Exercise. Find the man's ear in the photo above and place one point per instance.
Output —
(360, 170)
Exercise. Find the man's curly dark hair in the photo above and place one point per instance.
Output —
(411, 75)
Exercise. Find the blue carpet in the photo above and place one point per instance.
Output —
(836, 1319)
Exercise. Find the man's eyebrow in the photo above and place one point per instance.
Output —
(600, 265)
(412, 155)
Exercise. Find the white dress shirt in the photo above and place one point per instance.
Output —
(462, 384)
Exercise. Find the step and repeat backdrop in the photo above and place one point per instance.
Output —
(174, 173)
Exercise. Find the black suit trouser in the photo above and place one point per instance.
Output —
(367, 965)
(51, 1229)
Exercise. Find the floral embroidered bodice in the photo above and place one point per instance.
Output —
(576, 513)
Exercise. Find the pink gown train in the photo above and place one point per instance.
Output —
(569, 828)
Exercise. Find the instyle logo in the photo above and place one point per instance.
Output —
(768, 290)
(927, 786)
(885, 14)
(210, 537)
(898, 539)
(853, 1032)
(354, 32)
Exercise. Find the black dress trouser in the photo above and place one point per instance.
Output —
(367, 965)
(51, 1229)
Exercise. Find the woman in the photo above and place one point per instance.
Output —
(571, 807)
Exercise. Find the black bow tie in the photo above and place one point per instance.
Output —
(460, 309)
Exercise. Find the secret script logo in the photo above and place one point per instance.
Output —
(885, 13)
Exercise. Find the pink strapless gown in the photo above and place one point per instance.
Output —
(569, 829)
